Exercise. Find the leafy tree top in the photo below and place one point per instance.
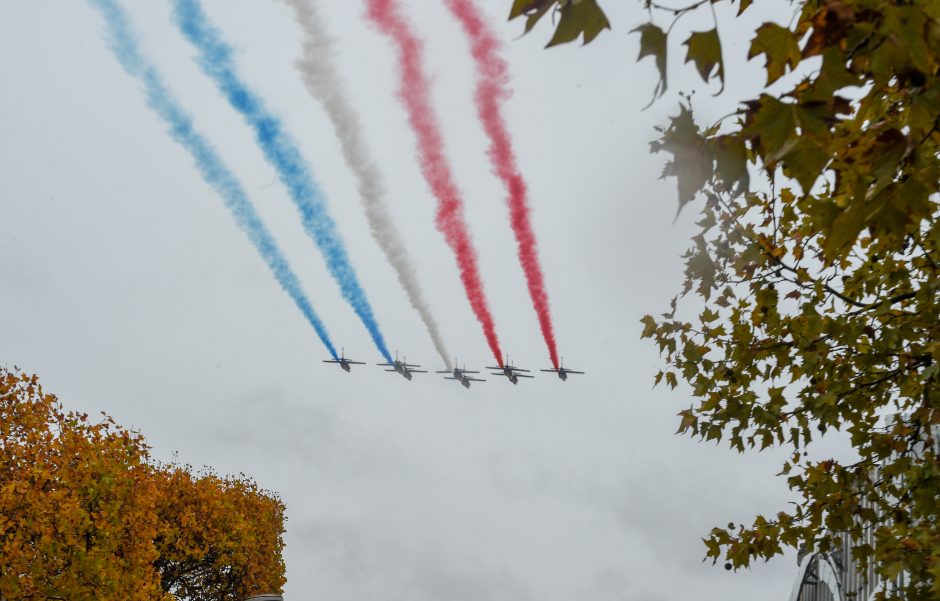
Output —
(86, 514)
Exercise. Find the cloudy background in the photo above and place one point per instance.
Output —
(125, 284)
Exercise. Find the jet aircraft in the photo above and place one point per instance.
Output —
(460, 375)
(562, 371)
(343, 361)
(405, 369)
(510, 371)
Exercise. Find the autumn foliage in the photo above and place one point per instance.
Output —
(816, 266)
(86, 514)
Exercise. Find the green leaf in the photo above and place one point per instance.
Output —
(526, 7)
(845, 229)
(885, 155)
(773, 124)
(653, 43)
(780, 47)
(532, 9)
(815, 118)
(689, 421)
(702, 269)
(731, 162)
(804, 162)
(649, 326)
(692, 162)
(899, 207)
(704, 49)
(579, 18)
(833, 76)
(671, 379)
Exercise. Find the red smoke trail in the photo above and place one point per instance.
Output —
(415, 94)
(491, 90)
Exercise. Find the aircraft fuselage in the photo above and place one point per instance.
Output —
(463, 378)
(403, 370)
(510, 374)
(510, 371)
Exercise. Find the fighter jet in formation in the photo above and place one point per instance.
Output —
(343, 361)
(460, 374)
(509, 371)
(402, 367)
(562, 371)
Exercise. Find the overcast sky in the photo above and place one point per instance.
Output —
(125, 284)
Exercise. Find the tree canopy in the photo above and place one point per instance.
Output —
(816, 263)
(86, 514)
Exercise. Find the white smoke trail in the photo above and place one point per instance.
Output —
(324, 83)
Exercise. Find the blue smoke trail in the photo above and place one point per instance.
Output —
(124, 46)
(215, 60)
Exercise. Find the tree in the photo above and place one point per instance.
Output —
(819, 285)
(85, 514)
(76, 502)
(229, 543)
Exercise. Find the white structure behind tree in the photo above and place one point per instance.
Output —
(836, 575)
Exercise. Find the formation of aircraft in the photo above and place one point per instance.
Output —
(343, 361)
(405, 369)
(460, 374)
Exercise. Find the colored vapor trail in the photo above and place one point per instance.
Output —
(415, 94)
(491, 90)
(124, 45)
(323, 81)
(216, 61)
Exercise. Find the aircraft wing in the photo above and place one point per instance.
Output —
(489, 367)
(571, 371)
(418, 371)
(468, 371)
(520, 369)
(450, 378)
(476, 380)
(498, 373)
(523, 376)
(392, 370)
(446, 371)
(330, 361)
(386, 364)
(355, 362)
(554, 371)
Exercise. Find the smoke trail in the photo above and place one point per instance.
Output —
(415, 93)
(215, 59)
(326, 85)
(124, 46)
(491, 90)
